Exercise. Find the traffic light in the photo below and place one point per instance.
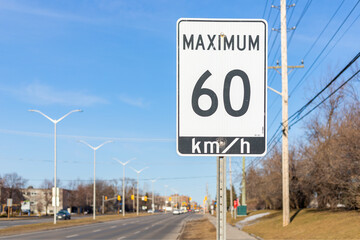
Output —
(145, 198)
(190, 199)
(170, 199)
(205, 198)
(132, 197)
(118, 197)
(105, 197)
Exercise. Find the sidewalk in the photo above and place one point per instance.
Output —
(232, 233)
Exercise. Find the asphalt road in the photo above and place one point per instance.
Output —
(159, 226)
(32, 220)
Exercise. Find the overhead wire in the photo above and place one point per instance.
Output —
(324, 48)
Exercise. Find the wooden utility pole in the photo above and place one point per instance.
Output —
(284, 93)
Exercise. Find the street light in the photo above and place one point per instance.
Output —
(94, 193)
(137, 195)
(176, 194)
(55, 122)
(152, 201)
(123, 183)
(166, 186)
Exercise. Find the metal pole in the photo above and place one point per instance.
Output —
(231, 192)
(55, 195)
(94, 193)
(103, 204)
(243, 189)
(152, 201)
(221, 199)
(123, 195)
(137, 196)
(285, 153)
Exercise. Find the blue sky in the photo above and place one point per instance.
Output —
(116, 60)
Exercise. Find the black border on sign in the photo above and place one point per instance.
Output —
(178, 83)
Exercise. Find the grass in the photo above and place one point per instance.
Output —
(63, 224)
(201, 229)
(308, 224)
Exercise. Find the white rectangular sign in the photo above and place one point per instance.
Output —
(221, 87)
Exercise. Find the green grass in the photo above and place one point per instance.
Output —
(308, 224)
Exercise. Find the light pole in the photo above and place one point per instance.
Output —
(123, 183)
(166, 186)
(137, 194)
(55, 122)
(176, 194)
(152, 201)
(94, 193)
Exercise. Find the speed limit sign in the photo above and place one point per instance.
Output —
(221, 87)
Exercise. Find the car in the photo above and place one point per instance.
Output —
(63, 214)
(176, 212)
(150, 211)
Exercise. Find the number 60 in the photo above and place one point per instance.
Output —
(199, 91)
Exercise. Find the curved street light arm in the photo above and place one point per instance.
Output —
(87, 144)
(77, 110)
(96, 148)
(37, 111)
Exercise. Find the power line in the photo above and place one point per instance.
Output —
(306, 114)
(322, 51)
(298, 112)
(299, 20)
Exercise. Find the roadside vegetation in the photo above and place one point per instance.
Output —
(308, 224)
(201, 229)
(324, 163)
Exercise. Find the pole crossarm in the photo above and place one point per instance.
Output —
(275, 91)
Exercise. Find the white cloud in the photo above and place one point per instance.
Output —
(137, 102)
(40, 94)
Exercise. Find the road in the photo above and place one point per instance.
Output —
(32, 220)
(159, 226)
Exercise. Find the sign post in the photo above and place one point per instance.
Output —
(221, 93)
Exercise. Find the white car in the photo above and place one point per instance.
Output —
(176, 212)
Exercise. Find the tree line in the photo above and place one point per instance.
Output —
(324, 163)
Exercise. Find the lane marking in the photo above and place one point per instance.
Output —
(113, 226)
(97, 230)
(136, 232)
(71, 236)
(121, 238)
(147, 228)
(124, 224)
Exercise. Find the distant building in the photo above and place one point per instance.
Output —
(41, 199)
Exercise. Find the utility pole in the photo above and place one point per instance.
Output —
(231, 193)
(284, 92)
(243, 187)
(285, 96)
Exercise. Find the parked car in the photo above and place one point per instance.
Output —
(63, 214)
(176, 212)
(150, 211)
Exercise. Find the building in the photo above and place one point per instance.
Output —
(41, 199)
